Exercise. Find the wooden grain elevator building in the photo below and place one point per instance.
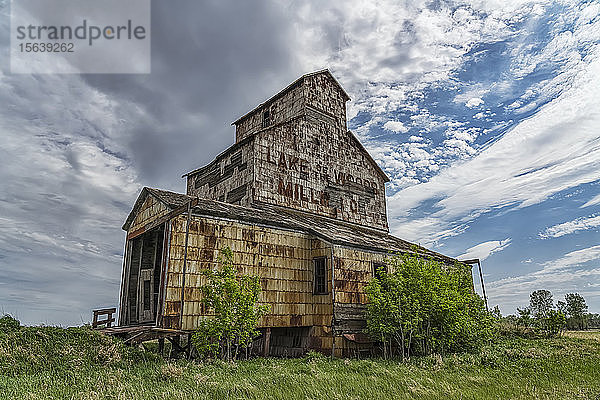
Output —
(302, 205)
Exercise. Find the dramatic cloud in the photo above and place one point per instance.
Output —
(485, 249)
(77, 149)
(476, 109)
(514, 171)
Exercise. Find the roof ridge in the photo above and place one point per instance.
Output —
(289, 87)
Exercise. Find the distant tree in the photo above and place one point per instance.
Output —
(524, 317)
(576, 309)
(593, 320)
(496, 313)
(554, 322)
(512, 320)
(562, 307)
(540, 303)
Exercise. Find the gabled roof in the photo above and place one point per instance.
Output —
(329, 229)
(273, 98)
(290, 87)
(170, 199)
(369, 157)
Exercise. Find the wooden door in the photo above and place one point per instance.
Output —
(146, 296)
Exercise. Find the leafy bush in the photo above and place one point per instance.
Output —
(233, 300)
(9, 324)
(426, 307)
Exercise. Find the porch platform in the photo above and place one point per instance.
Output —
(135, 334)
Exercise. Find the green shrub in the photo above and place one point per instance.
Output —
(233, 300)
(9, 324)
(425, 307)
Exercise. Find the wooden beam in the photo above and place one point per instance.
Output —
(267, 342)
(185, 251)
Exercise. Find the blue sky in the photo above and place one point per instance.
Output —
(485, 114)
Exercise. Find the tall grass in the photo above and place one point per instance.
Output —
(78, 363)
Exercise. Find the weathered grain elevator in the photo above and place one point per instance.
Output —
(302, 205)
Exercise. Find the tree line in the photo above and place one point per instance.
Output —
(543, 316)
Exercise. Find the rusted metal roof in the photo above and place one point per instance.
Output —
(329, 229)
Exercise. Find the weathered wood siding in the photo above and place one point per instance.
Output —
(312, 164)
(229, 178)
(323, 94)
(282, 259)
(304, 159)
(151, 210)
(353, 271)
(282, 109)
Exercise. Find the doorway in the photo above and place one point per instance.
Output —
(143, 284)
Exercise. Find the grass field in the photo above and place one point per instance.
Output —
(591, 334)
(77, 363)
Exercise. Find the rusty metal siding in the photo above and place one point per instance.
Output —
(281, 259)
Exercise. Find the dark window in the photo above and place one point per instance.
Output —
(320, 275)
(379, 269)
(266, 119)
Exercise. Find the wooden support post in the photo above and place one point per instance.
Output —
(189, 346)
(483, 286)
(185, 251)
(175, 346)
(478, 262)
(161, 346)
(332, 303)
(267, 342)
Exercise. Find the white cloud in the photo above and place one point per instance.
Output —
(567, 228)
(386, 52)
(395, 126)
(474, 102)
(563, 275)
(572, 259)
(553, 150)
(592, 202)
(485, 249)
